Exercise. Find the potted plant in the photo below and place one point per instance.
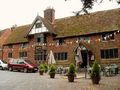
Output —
(52, 71)
(95, 73)
(41, 69)
(71, 72)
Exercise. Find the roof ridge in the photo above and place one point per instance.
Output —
(91, 13)
(97, 22)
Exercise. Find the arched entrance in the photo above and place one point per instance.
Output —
(84, 56)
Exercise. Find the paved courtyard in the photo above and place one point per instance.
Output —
(33, 81)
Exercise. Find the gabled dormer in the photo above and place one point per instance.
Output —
(43, 25)
(38, 26)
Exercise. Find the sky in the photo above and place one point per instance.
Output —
(22, 12)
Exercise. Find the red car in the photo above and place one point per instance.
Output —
(21, 65)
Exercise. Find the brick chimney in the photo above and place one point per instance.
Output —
(13, 27)
(49, 14)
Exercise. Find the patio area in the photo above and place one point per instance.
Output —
(82, 83)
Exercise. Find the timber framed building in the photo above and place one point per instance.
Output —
(97, 34)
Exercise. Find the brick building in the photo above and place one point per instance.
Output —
(4, 34)
(97, 34)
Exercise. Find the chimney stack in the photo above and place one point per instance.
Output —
(49, 15)
(13, 27)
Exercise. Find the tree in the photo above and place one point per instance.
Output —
(88, 4)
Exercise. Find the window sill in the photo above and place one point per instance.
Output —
(22, 57)
(110, 59)
(61, 60)
(10, 58)
(107, 40)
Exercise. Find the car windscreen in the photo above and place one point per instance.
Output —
(28, 62)
(21, 62)
(4, 62)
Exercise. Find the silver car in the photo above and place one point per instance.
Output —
(3, 65)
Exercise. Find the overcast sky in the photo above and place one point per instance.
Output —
(23, 12)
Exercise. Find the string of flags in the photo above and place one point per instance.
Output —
(106, 37)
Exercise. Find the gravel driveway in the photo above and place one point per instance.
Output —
(32, 81)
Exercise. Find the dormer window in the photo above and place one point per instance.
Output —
(83, 38)
(60, 41)
(107, 36)
(10, 46)
(38, 25)
(23, 45)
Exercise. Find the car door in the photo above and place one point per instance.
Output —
(0, 65)
(14, 64)
(21, 64)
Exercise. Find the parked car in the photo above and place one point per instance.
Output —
(3, 65)
(21, 65)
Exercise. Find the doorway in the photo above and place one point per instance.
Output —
(84, 54)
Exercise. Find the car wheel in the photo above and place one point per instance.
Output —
(25, 70)
(1, 68)
(33, 71)
(10, 69)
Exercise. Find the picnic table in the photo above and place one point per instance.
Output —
(111, 70)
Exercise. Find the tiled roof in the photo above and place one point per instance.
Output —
(48, 25)
(4, 34)
(102, 21)
(18, 35)
(97, 22)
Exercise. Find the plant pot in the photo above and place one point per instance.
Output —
(52, 75)
(41, 72)
(95, 79)
(71, 78)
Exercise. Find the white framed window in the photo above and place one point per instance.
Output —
(107, 36)
(23, 45)
(38, 25)
(60, 41)
(83, 38)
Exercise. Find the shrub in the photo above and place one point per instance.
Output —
(95, 70)
(72, 69)
(46, 67)
(41, 67)
(95, 73)
(52, 69)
